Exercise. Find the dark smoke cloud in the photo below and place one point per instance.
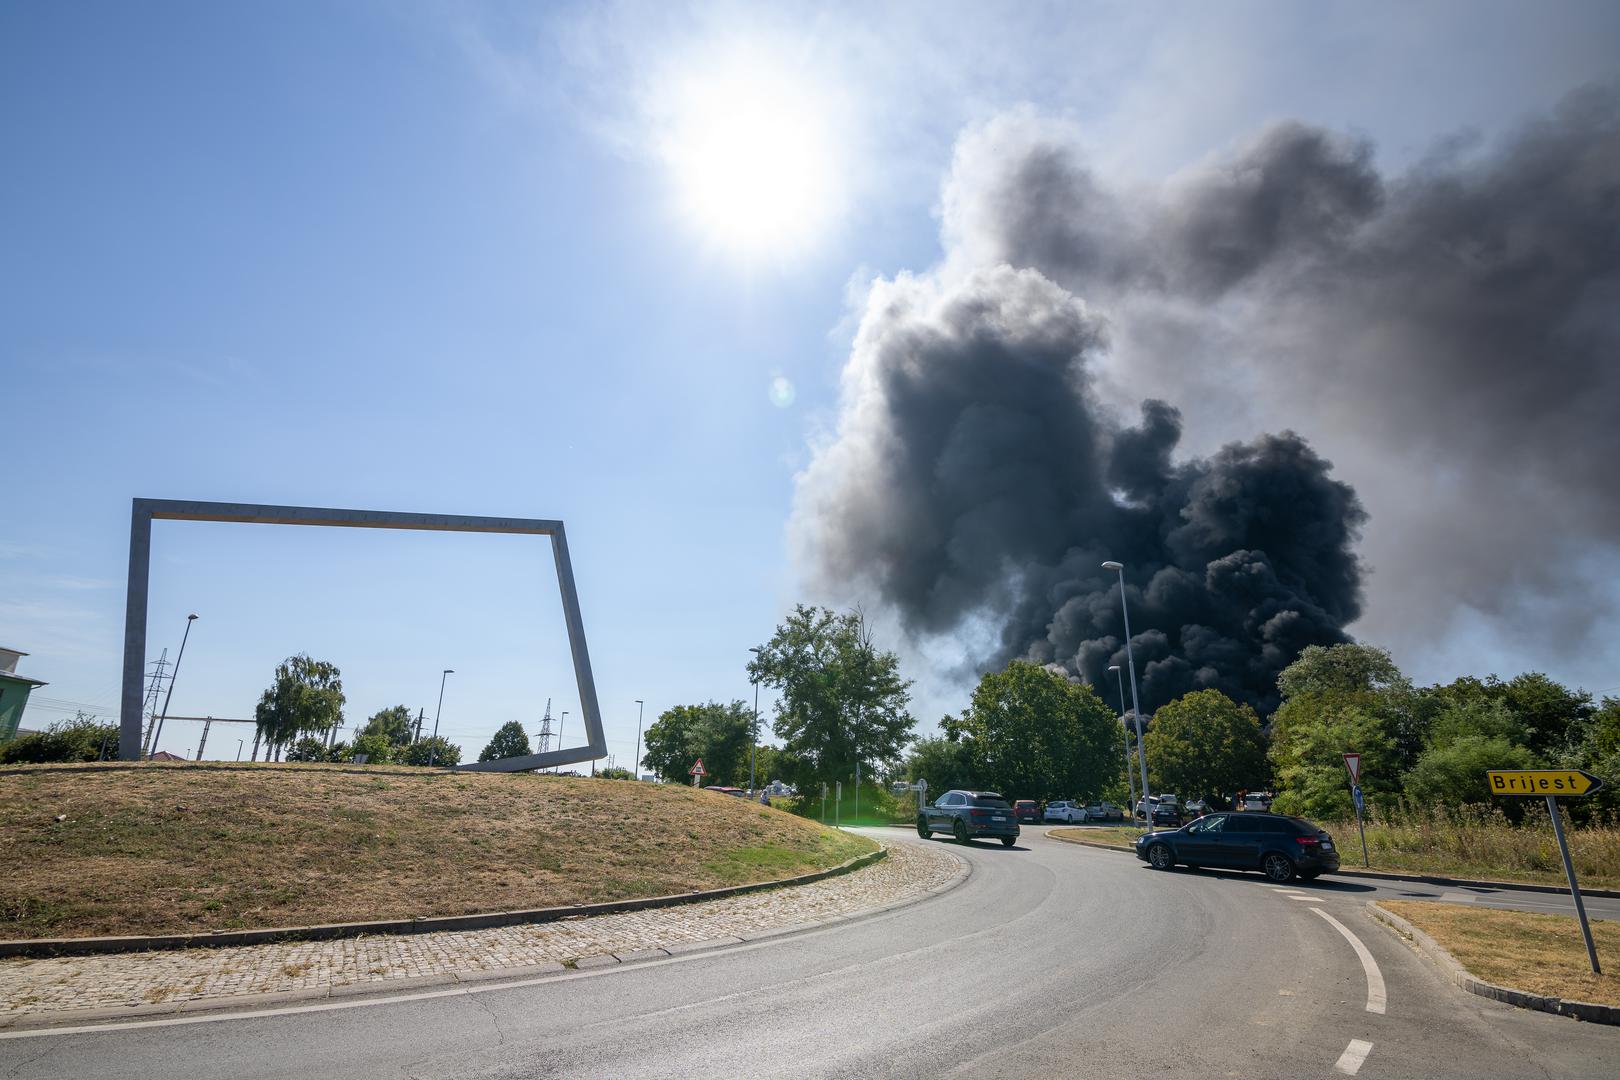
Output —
(975, 477)
(1449, 335)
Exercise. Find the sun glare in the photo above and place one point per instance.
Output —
(753, 161)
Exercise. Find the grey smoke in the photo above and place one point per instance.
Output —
(975, 477)
(1449, 335)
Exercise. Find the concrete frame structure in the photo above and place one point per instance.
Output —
(144, 511)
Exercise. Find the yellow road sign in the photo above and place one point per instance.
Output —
(1542, 782)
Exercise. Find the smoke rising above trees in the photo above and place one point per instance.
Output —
(1447, 335)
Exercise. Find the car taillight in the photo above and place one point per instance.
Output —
(1309, 839)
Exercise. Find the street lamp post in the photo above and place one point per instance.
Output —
(1136, 705)
(158, 734)
(434, 745)
(635, 769)
(239, 743)
(561, 721)
(1125, 733)
(753, 741)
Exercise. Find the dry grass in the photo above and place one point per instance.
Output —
(156, 848)
(1540, 954)
(1120, 836)
(1481, 844)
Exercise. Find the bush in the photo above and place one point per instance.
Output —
(377, 748)
(614, 773)
(443, 751)
(79, 739)
(309, 748)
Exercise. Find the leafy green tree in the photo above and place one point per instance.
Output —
(1452, 773)
(1360, 675)
(1552, 718)
(377, 748)
(1032, 733)
(1309, 762)
(305, 699)
(840, 699)
(307, 748)
(442, 751)
(393, 724)
(1206, 744)
(509, 741)
(613, 772)
(942, 761)
(718, 734)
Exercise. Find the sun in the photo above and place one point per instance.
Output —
(753, 159)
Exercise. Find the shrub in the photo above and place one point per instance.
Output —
(79, 739)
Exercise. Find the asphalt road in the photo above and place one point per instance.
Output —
(1051, 960)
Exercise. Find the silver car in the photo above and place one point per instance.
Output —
(1065, 811)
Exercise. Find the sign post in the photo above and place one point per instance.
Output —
(824, 803)
(697, 772)
(838, 798)
(1352, 765)
(1551, 783)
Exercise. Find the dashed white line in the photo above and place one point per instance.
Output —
(1376, 998)
(1307, 899)
(1350, 1061)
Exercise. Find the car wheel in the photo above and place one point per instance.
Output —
(1278, 867)
(1008, 841)
(922, 828)
(1160, 858)
(959, 831)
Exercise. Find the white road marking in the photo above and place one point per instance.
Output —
(1350, 1061)
(1307, 899)
(1376, 998)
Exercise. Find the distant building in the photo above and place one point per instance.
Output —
(164, 755)
(14, 691)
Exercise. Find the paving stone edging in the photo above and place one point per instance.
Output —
(1425, 879)
(49, 947)
(1453, 970)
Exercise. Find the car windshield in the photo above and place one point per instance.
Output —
(989, 799)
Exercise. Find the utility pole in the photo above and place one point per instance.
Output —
(239, 743)
(635, 770)
(207, 723)
(753, 742)
(418, 736)
(169, 695)
(149, 707)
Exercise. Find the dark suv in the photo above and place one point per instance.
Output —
(1282, 847)
(966, 814)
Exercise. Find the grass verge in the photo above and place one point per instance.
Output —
(155, 848)
(1539, 954)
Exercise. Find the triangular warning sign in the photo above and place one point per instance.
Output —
(1352, 762)
(697, 770)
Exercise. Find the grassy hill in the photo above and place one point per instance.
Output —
(158, 848)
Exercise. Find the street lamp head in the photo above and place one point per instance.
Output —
(640, 702)
(1112, 565)
(190, 617)
(449, 671)
(1113, 667)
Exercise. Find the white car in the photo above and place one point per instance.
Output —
(1065, 811)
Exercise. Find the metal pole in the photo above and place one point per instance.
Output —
(1125, 733)
(1574, 889)
(173, 675)
(434, 745)
(1136, 705)
(636, 769)
(857, 816)
(208, 723)
(420, 713)
(753, 739)
(239, 743)
(838, 803)
(561, 720)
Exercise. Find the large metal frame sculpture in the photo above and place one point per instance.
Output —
(144, 511)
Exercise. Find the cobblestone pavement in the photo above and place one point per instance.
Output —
(130, 980)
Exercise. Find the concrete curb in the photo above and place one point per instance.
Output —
(48, 947)
(387, 987)
(1436, 954)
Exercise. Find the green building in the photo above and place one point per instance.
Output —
(14, 691)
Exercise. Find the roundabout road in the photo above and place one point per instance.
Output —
(1051, 960)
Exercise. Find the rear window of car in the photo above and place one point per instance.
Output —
(1026, 802)
(991, 800)
(1305, 828)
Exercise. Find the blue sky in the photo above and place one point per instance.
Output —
(443, 258)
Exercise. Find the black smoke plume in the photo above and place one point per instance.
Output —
(975, 480)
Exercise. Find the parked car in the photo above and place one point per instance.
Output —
(1281, 847)
(1027, 810)
(1197, 808)
(966, 814)
(1256, 802)
(1166, 810)
(1104, 812)
(1066, 811)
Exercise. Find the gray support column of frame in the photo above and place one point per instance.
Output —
(140, 550)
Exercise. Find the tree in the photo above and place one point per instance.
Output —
(1359, 675)
(377, 748)
(1206, 744)
(393, 724)
(718, 734)
(307, 748)
(1031, 732)
(841, 701)
(509, 741)
(1452, 773)
(1308, 762)
(306, 699)
(442, 750)
(1552, 717)
(942, 761)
